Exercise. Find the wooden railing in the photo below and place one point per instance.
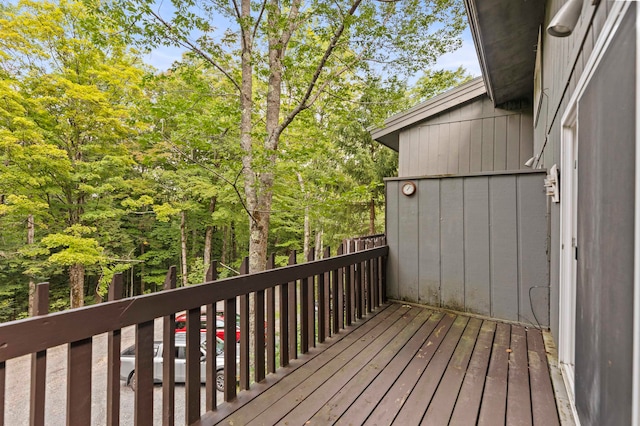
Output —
(294, 308)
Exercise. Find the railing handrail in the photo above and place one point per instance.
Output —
(31, 335)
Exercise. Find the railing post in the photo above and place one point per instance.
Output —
(348, 289)
(324, 323)
(230, 364)
(3, 384)
(168, 356)
(113, 368)
(271, 321)
(292, 292)
(211, 390)
(192, 379)
(358, 284)
(39, 361)
(368, 270)
(258, 334)
(244, 332)
(284, 324)
(143, 395)
(339, 282)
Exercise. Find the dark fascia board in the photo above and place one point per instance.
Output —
(505, 33)
(389, 134)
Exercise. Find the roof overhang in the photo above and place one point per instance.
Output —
(389, 133)
(505, 33)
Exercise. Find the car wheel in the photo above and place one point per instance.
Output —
(220, 380)
(132, 381)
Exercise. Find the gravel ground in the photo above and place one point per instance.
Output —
(18, 386)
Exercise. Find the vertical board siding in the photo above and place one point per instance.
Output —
(475, 160)
(408, 249)
(500, 144)
(467, 138)
(513, 149)
(504, 247)
(392, 222)
(476, 249)
(488, 125)
(472, 243)
(533, 280)
(464, 156)
(452, 244)
(429, 230)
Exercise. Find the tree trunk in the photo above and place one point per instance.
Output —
(76, 282)
(141, 288)
(225, 238)
(183, 244)
(31, 232)
(372, 217)
(319, 246)
(208, 239)
(307, 231)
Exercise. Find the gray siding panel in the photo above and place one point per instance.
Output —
(500, 144)
(487, 144)
(454, 148)
(432, 163)
(476, 146)
(504, 248)
(513, 149)
(408, 248)
(472, 243)
(465, 147)
(392, 224)
(452, 244)
(533, 280)
(467, 138)
(429, 231)
(476, 250)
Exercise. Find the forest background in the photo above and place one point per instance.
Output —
(254, 142)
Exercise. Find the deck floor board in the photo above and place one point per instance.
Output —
(408, 365)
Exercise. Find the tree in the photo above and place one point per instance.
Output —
(79, 82)
(290, 55)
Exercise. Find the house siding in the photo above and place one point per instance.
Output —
(474, 243)
(468, 138)
(606, 137)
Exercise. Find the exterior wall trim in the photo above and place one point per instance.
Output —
(635, 410)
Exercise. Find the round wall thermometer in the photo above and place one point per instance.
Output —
(408, 188)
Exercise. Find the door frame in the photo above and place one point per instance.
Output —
(568, 267)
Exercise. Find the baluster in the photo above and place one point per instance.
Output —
(192, 379)
(143, 399)
(39, 361)
(244, 332)
(113, 359)
(271, 321)
(211, 390)
(168, 356)
(292, 292)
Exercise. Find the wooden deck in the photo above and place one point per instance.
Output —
(407, 365)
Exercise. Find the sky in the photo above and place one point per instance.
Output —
(465, 56)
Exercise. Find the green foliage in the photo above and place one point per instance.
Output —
(105, 154)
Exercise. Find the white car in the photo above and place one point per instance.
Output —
(128, 362)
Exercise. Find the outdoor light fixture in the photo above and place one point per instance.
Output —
(566, 19)
(530, 161)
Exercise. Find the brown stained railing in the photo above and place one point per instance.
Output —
(168, 362)
(39, 361)
(345, 287)
(114, 339)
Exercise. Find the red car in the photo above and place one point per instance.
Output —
(181, 325)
